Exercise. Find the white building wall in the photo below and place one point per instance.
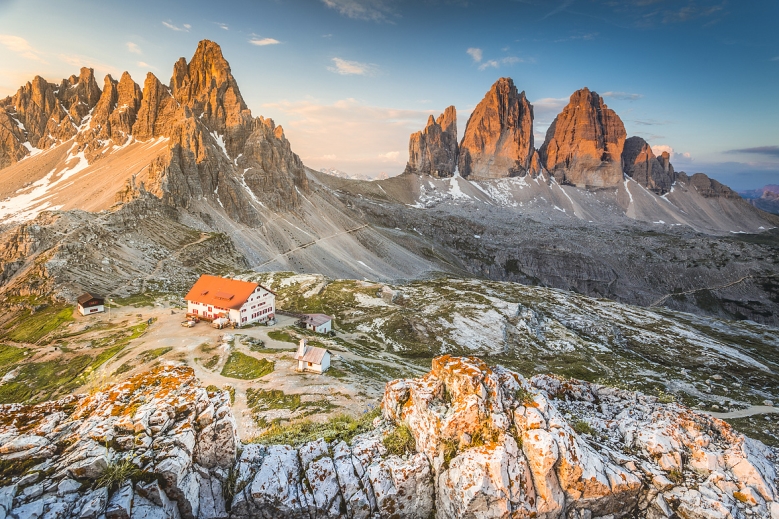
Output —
(91, 310)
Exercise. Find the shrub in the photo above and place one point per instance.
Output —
(117, 472)
(400, 441)
(449, 447)
(676, 476)
(582, 427)
(339, 427)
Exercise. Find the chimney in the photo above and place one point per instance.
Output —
(301, 349)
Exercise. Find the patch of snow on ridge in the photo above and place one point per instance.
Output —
(220, 142)
(628, 190)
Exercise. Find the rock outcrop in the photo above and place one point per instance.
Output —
(487, 443)
(434, 150)
(584, 144)
(498, 139)
(640, 163)
(708, 187)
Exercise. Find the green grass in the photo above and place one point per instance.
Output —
(10, 355)
(150, 355)
(266, 399)
(32, 327)
(341, 427)
(117, 472)
(211, 362)
(282, 336)
(124, 368)
(138, 300)
(400, 441)
(39, 381)
(245, 367)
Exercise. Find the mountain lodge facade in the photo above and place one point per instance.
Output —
(241, 302)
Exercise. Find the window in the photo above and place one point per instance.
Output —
(194, 311)
(309, 364)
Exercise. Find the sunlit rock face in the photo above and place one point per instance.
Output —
(488, 443)
(434, 151)
(584, 144)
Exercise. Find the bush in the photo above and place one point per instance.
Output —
(117, 472)
(341, 427)
(582, 427)
(400, 441)
(449, 447)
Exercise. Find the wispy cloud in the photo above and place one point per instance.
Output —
(650, 122)
(327, 36)
(771, 151)
(496, 63)
(349, 135)
(691, 12)
(346, 67)
(184, 28)
(223, 26)
(775, 59)
(560, 8)
(134, 48)
(261, 42)
(372, 10)
(622, 96)
(677, 156)
(143, 64)
(475, 53)
(585, 37)
(20, 46)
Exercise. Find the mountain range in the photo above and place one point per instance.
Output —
(128, 187)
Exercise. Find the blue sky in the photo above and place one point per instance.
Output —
(350, 79)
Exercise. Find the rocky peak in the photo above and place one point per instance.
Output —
(640, 163)
(433, 151)
(156, 113)
(498, 139)
(584, 144)
(207, 86)
(128, 102)
(708, 187)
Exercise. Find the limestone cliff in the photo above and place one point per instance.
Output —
(484, 442)
(641, 164)
(434, 151)
(584, 144)
(498, 139)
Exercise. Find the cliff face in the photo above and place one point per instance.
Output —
(498, 139)
(640, 163)
(484, 442)
(584, 144)
(216, 150)
(434, 150)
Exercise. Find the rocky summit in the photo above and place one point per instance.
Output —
(498, 139)
(464, 440)
(434, 150)
(583, 146)
(641, 164)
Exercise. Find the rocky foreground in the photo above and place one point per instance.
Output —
(488, 443)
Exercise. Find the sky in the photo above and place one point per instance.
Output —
(349, 80)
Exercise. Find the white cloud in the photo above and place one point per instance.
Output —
(134, 48)
(352, 68)
(20, 46)
(775, 58)
(489, 63)
(349, 135)
(623, 96)
(682, 157)
(143, 64)
(373, 10)
(261, 42)
(223, 26)
(184, 28)
(475, 53)
(391, 156)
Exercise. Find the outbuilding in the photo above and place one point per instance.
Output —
(241, 302)
(90, 304)
(311, 358)
(319, 323)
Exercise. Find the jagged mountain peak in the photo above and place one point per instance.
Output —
(433, 151)
(584, 144)
(498, 139)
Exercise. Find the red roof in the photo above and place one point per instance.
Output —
(221, 292)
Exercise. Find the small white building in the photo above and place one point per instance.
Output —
(319, 323)
(241, 302)
(311, 358)
(90, 304)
